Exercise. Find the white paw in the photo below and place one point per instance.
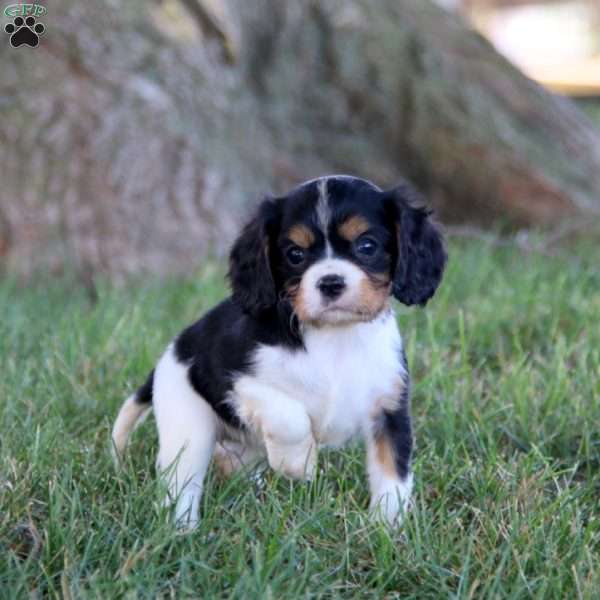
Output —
(297, 461)
(392, 503)
(186, 525)
(185, 508)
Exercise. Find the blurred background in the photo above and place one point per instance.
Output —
(138, 135)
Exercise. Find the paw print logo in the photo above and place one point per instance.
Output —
(24, 31)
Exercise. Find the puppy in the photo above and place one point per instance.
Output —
(306, 352)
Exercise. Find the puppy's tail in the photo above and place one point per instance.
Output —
(134, 409)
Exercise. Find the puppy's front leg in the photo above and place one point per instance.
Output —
(284, 425)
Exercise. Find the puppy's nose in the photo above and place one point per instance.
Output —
(331, 286)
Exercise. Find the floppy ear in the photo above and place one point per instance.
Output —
(421, 253)
(249, 265)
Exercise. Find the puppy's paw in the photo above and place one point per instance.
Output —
(183, 507)
(226, 462)
(231, 457)
(392, 502)
(296, 461)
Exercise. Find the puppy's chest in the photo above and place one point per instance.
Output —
(341, 377)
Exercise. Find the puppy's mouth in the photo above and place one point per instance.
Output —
(342, 310)
(341, 315)
(338, 312)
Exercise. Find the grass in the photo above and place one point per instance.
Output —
(506, 362)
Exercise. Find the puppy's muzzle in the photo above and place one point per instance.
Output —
(331, 286)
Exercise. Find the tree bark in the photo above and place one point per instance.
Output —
(129, 146)
(403, 87)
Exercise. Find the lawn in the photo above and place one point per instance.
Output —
(506, 364)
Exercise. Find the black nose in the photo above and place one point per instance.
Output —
(331, 286)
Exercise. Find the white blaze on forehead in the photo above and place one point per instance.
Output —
(323, 212)
(341, 177)
(323, 208)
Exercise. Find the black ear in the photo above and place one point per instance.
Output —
(421, 253)
(249, 264)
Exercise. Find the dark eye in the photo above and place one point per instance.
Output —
(295, 255)
(365, 246)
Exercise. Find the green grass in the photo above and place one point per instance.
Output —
(506, 364)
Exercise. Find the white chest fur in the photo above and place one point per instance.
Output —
(339, 378)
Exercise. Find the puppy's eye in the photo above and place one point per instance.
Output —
(295, 255)
(365, 246)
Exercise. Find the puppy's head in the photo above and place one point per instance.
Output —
(334, 250)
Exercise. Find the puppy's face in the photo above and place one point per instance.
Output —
(334, 250)
(335, 253)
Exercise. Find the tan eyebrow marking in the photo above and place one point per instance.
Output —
(351, 228)
(301, 235)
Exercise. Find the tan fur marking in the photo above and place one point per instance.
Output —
(385, 457)
(296, 297)
(374, 295)
(351, 228)
(301, 236)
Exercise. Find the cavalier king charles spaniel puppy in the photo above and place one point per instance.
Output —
(306, 351)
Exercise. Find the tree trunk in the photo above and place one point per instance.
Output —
(403, 87)
(133, 144)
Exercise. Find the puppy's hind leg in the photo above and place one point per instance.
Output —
(187, 428)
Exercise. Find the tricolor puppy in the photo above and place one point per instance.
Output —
(306, 352)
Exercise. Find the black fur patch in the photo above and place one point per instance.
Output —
(144, 393)
(397, 428)
(398, 425)
(250, 262)
(421, 253)
(219, 347)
